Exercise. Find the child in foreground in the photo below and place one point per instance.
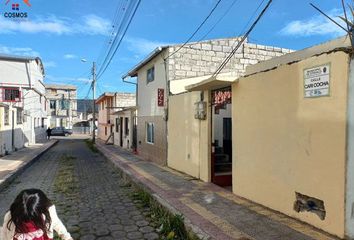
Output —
(32, 216)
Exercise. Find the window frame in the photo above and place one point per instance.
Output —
(151, 139)
(55, 104)
(6, 116)
(19, 116)
(117, 124)
(126, 126)
(150, 72)
(13, 99)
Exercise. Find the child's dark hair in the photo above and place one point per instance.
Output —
(30, 206)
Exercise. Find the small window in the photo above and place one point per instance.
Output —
(42, 122)
(150, 75)
(150, 133)
(117, 124)
(105, 131)
(53, 104)
(12, 95)
(126, 126)
(19, 116)
(6, 116)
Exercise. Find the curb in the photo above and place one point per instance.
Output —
(11, 176)
(120, 164)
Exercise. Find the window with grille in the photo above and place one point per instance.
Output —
(12, 95)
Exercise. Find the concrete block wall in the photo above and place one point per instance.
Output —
(125, 100)
(204, 58)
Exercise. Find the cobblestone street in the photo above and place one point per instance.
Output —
(91, 198)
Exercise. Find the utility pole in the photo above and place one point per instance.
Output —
(94, 97)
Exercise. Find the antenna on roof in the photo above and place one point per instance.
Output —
(350, 24)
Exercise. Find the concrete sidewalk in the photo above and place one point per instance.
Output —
(13, 164)
(209, 210)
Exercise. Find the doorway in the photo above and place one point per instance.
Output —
(121, 131)
(221, 138)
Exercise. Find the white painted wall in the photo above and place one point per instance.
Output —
(27, 76)
(127, 137)
(147, 92)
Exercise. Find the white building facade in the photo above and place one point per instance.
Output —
(62, 105)
(23, 117)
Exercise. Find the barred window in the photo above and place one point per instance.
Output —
(12, 94)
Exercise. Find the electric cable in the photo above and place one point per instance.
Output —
(195, 32)
(227, 59)
(120, 41)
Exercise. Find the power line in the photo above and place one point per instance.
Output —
(110, 55)
(220, 19)
(111, 36)
(227, 59)
(116, 29)
(195, 32)
(252, 16)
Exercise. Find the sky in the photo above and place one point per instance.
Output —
(63, 32)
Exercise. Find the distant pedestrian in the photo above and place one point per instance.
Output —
(32, 216)
(49, 132)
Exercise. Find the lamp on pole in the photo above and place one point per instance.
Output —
(93, 100)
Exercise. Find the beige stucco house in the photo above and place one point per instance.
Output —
(292, 135)
(166, 72)
(108, 104)
(62, 105)
(125, 128)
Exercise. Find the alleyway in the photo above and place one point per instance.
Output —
(92, 200)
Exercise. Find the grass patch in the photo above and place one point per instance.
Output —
(170, 226)
(91, 145)
(65, 182)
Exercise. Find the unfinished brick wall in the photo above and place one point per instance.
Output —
(125, 100)
(204, 58)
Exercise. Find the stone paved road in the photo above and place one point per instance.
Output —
(91, 199)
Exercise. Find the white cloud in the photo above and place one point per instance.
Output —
(317, 25)
(70, 56)
(49, 64)
(88, 25)
(21, 51)
(143, 46)
(95, 25)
